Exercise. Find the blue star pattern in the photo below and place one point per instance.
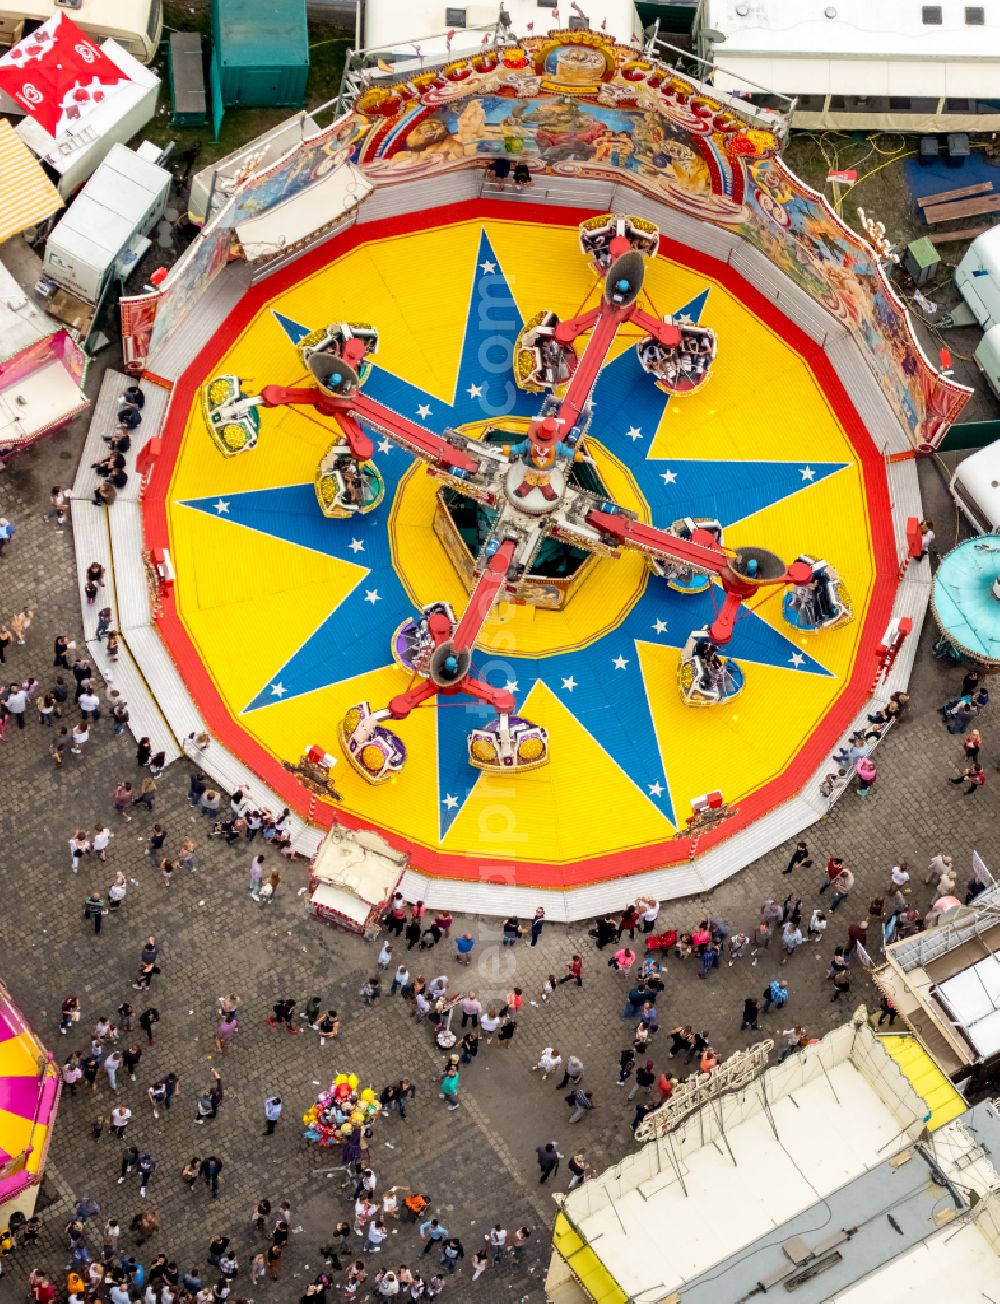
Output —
(600, 684)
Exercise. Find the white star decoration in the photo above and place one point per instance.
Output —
(450, 802)
(797, 659)
(660, 627)
(475, 391)
(511, 685)
(620, 662)
(655, 790)
(806, 472)
(385, 445)
(634, 432)
(423, 411)
(278, 689)
(222, 507)
(569, 684)
(357, 545)
(487, 267)
(371, 595)
(668, 477)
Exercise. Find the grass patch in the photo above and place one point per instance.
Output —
(327, 49)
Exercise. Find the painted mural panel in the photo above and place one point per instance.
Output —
(574, 104)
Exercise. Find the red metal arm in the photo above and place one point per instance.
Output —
(585, 376)
(483, 597)
(660, 543)
(665, 332)
(568, 331)
(360, 445)
(430, 447)
(403, 703)
(700, 552)
(501, 699)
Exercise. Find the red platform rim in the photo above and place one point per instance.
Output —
(543, 875)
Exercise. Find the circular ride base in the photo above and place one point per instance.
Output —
(284, 619)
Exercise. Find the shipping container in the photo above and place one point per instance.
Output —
(262, 52)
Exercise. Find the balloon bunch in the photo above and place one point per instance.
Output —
(339, 1110)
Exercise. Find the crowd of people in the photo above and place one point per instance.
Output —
(422, 960)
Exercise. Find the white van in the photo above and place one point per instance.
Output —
(975, 486)
(135, 24)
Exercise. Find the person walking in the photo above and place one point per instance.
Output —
(146, 1166)
(112, 1063)
(974, 776)
(842, 886)
(548, 1062)
(938, 867)
(645, 1076)
(211, 1167)
(272, 1112)
(795, 1040)
(574, 971)
(121, 1116)
(581, 1102)
(776, 993)
(841, 982)
(800, 858)
(751, 1014)
(93, 909)
(147, 1019)
(433, 1234)
(791, 939)
(548, 1157)
(449, 1087)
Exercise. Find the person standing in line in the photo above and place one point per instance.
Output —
(272, 1112)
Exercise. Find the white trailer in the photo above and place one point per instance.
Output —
(103, 227)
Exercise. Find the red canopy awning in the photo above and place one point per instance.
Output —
(57, 75)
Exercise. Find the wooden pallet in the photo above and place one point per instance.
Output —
(964, 208)
(965, 192)
(966, 233)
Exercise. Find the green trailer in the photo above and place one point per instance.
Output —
(261, 52)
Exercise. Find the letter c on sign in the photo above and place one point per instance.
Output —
(31, 95)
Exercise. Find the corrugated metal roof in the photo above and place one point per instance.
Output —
(27, 196)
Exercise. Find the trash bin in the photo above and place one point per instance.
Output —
(958, 148)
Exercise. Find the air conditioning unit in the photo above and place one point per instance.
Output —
(69, 4)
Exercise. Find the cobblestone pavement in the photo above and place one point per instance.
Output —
(477, 1163)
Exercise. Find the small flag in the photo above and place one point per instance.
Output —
(577, 10)
(485, 40)
(530, 26)
(844, 176)
(383, 66)
(604, 24)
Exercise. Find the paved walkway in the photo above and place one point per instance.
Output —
(477, 1163)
